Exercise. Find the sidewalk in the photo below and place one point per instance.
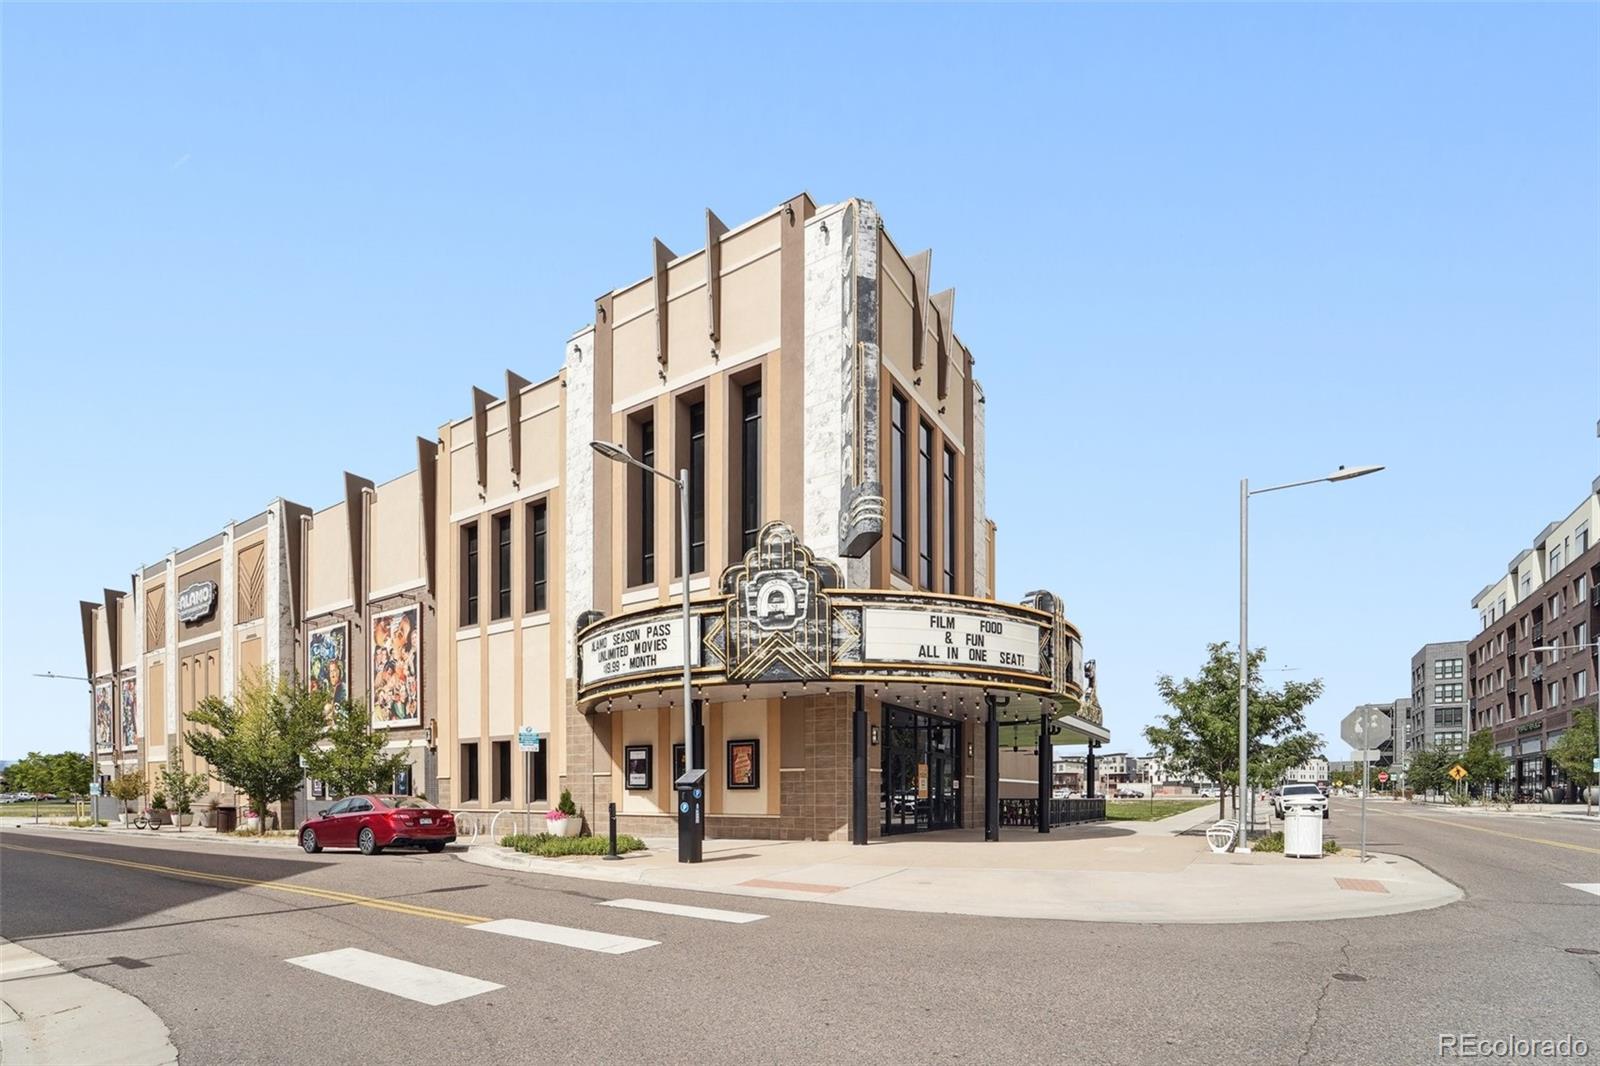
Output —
(1153, 872)
(1566, 812)
(52, 1015)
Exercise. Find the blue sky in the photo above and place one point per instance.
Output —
(249, 247)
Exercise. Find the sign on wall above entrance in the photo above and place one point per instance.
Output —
(197, 601)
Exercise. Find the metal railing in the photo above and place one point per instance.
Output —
(1025, 811)
(479, 826)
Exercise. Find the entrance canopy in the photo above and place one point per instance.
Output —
(781, 624)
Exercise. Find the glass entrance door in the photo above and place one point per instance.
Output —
(921, 772)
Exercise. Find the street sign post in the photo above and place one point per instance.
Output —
(1457, 772)
(1365, 728)
(527, 743)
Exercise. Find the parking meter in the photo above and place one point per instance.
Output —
(691, 814)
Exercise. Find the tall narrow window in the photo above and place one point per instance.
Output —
(899, 487)
(536, 775)
(925, 505)
(697, 487)
(501, 772)
(538, 564)
(502, 566)
(647, 503)
(949, 553)
(750, 467)
(469, 773)
(469, 574)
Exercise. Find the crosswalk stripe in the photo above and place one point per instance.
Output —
(566, 936)
(408, 980)
(710, 914)
(1593, 890)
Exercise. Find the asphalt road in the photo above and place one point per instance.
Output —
(810, 983)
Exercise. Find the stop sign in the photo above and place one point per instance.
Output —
(1383, 776)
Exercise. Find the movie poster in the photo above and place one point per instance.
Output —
(130, 714)
(397, 667)
(328, 662)
(104, 727)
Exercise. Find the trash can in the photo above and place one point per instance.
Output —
(1302, 832)
(227, 819)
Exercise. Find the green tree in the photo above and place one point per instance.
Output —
(1575, 751)
(125, 788)
(1484, 765)
(1429, 770)
(65, 773)
(256, 742)
(1202, 733)
(354, 760)
(182, 787)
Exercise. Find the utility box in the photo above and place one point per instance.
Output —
(691, 814)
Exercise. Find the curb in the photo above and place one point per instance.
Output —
(1050, 906)
(54, 1015)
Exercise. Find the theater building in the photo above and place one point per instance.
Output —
(189, 627)
(852, 674)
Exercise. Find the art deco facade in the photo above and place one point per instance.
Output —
(518, 591)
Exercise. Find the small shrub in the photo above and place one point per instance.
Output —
(1459, 799)
(1271, 842)
(553, 847)
(1330, 846)
(566, 806)
(158, 802)
(85, 823)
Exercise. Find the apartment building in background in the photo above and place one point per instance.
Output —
(1533, 662)
(1438, 713)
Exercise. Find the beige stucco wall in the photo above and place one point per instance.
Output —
(742, 720)
(502, 680)
(394, 535)
(327, 552)
(639, 727)
(102, 642)
(469, 688)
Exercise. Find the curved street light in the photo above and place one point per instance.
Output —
(1245, 806)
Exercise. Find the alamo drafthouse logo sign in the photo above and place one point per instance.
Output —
(197, 601)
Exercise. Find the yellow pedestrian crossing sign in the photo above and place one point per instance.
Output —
(1457, 772)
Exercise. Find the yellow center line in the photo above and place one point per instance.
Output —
(412, 909)
(1445, 820)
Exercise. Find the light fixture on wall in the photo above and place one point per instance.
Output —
(874, 736)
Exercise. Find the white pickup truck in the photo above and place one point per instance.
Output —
(1301, 796)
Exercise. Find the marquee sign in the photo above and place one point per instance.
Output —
(629, 648)
(784, 617)
(940, 637)
(197, 601)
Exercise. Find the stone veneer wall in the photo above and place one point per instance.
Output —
(814, 796)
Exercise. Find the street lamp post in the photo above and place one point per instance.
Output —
(1593, 647)
(1245, 807)
(618, 454)
(93, 747)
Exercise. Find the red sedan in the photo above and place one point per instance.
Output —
(373, 823)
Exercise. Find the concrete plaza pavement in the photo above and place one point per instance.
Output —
(1159, 871)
